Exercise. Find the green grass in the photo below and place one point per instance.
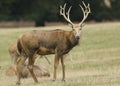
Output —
(96, 61)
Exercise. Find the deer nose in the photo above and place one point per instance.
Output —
(77, 37)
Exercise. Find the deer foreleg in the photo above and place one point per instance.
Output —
(30, 67)
(56, 62)
(63, 68)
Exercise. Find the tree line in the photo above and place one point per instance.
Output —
(48, 10)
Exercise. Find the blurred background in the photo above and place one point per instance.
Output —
(15, 13)
(96, 62)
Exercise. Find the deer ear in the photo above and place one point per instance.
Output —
(83, 25)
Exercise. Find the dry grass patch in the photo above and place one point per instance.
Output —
(96, 62)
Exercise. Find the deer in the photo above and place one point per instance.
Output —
(13, 51)
(39, 70)
(58, 42)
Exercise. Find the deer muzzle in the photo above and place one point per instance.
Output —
(77, 37)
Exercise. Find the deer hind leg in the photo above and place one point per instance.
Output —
(56, 62)
(63, 68)
(20, 66)
(31, 61)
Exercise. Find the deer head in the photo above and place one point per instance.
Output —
(76, 28)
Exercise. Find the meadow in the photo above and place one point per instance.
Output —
(96, 60)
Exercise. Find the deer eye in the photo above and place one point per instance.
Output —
(72, 27)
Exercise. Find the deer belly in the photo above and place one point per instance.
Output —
(45, 51)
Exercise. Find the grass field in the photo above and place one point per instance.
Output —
(96, 61)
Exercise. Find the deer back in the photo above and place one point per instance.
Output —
(47, 42)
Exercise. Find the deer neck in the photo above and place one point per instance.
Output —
(73, 40)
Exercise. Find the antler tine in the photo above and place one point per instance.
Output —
(65, 15)
(68, 16)
(84, 4)
(62, 11)
(86, 10)
(89, 8)
(64, 6)
(82, 10)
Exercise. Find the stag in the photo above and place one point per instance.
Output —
(58, 42)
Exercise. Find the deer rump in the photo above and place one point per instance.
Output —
(46, 42)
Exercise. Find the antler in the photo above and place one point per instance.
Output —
(66, 14)
(86, 10)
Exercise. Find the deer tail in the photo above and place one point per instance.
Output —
(19, 47)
